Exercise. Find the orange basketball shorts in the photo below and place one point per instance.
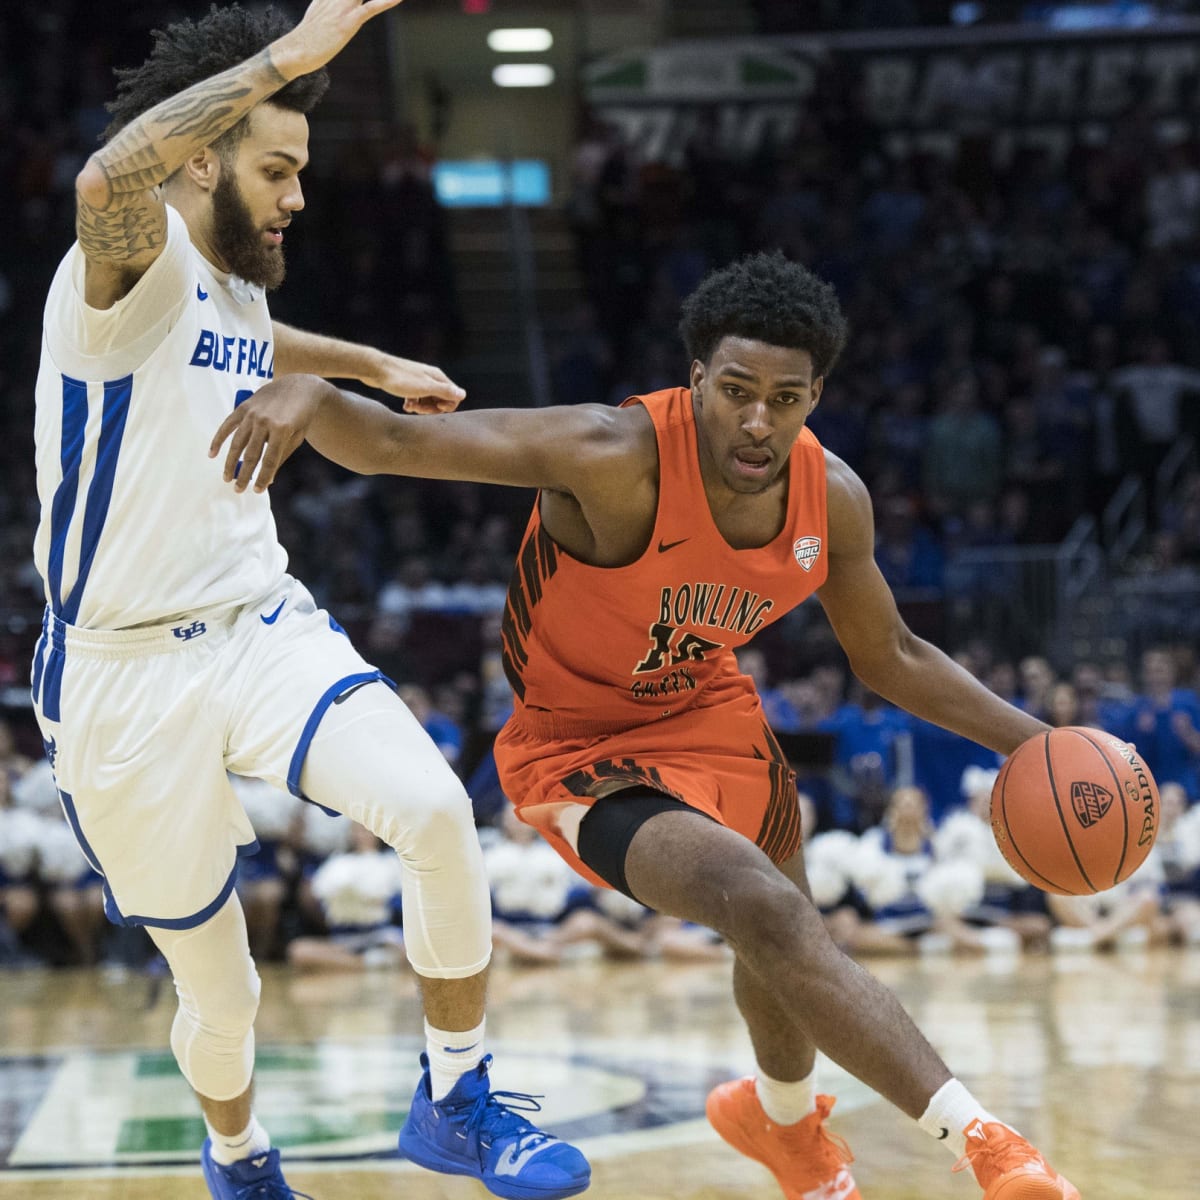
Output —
(722, 760)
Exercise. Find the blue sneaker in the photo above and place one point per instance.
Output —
(258, 1178)
(475, 1131)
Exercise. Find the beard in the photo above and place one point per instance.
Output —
(239, 241)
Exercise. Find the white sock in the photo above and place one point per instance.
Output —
(227, 1149)
(451, 1054)
(787, 1103)
(951, 1109)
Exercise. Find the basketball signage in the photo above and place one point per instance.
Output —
(751, 93)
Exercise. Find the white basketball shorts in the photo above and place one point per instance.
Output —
(141, 726)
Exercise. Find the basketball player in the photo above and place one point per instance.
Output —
(175, 646)
(666, 533)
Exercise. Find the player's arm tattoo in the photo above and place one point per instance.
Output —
(149, 149)
(119, 234)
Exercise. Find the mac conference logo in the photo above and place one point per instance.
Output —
(807, 550)
(1090, 802)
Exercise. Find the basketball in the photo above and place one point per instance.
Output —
(1074, 811)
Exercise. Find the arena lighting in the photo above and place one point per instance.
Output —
(520, 41)
(523, 75)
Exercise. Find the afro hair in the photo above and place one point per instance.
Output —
(191, 51)
(768, 299)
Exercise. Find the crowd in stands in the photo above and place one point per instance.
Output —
(1025, 333)
(900, 852)
(1024, 330)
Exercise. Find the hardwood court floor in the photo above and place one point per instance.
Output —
(1097, 1059)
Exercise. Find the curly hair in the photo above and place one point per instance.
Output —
(769, 299)
(190, 51)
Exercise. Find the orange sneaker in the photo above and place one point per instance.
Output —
(809, 1162)
(1009, 1168)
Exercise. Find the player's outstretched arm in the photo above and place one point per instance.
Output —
(424, 388)
(577, 449)
(883, 652)
(120, 222)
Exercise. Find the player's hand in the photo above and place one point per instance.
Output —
(326, 27)
(266, 429)
(424, 389)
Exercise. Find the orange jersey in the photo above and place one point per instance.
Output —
(626, 677)
(608, 648)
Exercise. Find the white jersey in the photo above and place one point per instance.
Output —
(137, 526)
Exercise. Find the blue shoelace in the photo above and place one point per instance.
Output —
(497, 1115)
(267, 1190)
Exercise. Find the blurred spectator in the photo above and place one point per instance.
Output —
(19, 900)
(1037, 678)
(1063, 707)
(963, 457)
(263, 877)
(1098, 706)
(413, 589)
(1125, 915)
(1176, 859)
(1164, 723)
(1032, 466)
(1173, 198)
(359, 893)
(1154, 391)
(939, 760)
(908, 554)
(868, 735)
(583, 361)
(1181, 518)
(897, 433)
(840, 421)
(781, 713)
(543, 911)
(446, 733)
(72, 890)
(910, 902)
(1008, 902)
(43, 871)
(1001, 678)
(13, 764)
(892, 213)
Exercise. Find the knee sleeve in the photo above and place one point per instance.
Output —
(212, 1036)
(371, 760)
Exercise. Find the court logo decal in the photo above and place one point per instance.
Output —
(343, 1103)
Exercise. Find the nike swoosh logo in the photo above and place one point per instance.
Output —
(201, 294)
(663, 547)
(350, 692)
(271, 619)
(837, 1188)
(511, 1162)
